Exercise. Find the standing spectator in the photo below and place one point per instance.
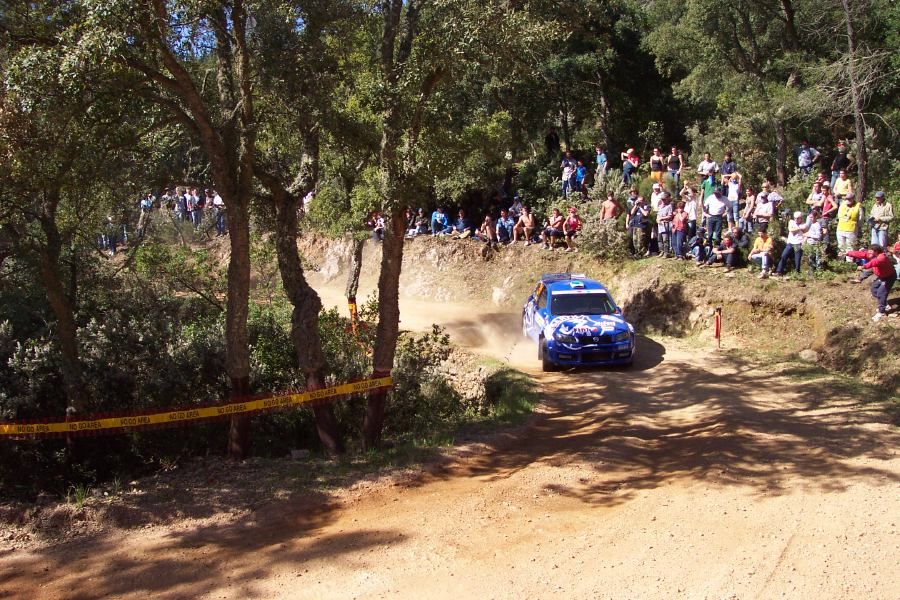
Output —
(707, 167)
(813, 241)
(763, 212)
(664, 216)
(675, 164)
(746, 220)
(657, 166)
(843, 186)
(840, 163)
(525, 226)
(516, 209)
(732, 182)
(679, 229)
(505, 225)
(829, 211)
(440, 225)
(580, 175)
(146, 207)
(882, 215)
(568, 167)
(655, 195)
(690, 208)
(199, 206)
(181, 204)
(110, 236)
(630, 163)
(797, 227)
(729, 167)
(609, 209)
(762, 252)
(714, 209)
(553, 229)
(571, 226)
(638, 216)
(601, 162)
(850, 214)
(806, 156)
(816, 197)
(219, 208)
(885, 276)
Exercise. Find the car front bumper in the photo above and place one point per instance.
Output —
(591, 355)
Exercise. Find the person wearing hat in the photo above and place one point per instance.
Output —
(515, 211)
(850, 215)
(797, 228)
(885, 276)
(880, 220)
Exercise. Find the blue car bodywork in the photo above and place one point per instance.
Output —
(575, 322)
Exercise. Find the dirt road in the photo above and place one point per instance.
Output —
(694, 475)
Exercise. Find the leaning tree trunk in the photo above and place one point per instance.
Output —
(855, 96)
(388, 323)
(304, 316)
(356, 259)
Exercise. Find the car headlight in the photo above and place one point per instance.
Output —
(565, 339)
(622, 337)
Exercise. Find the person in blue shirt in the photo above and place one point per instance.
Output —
(505, 226)
(580, 174)
(439, 223)
(461, 225)
(601, 162)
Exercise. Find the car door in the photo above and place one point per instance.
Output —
(540, 313)
(530, 312)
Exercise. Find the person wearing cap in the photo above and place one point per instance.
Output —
(763, 211)
(840, 163)
(762, 252)
(806, 156)
(885, 276)
(630, 163)
(880, 219)
(850, 215)
(797, 227)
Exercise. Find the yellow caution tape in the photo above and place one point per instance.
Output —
(192, 414)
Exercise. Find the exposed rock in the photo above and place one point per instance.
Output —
(808, 355)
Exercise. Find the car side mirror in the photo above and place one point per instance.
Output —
(618, 311)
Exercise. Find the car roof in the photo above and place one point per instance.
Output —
(558, 282)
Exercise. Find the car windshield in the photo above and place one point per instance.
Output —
(581, 304)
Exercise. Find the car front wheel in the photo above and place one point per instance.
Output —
(547, 365)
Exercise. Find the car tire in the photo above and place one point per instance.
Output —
(547, 365)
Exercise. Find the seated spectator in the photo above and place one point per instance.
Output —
(725, 253)
(696, 247)
(637, 222)
(440, 225)
(570, 228)
(797, 228)
(882, 268)
(740, 237)
(505, 225)
(461, 226)
(762, 252)
(421, 222)
(525, 226)
(487, 233)
(553, 229)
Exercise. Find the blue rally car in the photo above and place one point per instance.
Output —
(575, 322)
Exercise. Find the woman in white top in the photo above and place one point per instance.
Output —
(733, 183)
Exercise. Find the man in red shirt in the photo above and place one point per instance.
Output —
(882, 268)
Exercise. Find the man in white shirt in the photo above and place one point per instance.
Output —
(813, 240)
(715, 207)
(707, 166)
(655, 196)
(797, 229)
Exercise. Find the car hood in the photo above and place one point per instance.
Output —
(587, 325)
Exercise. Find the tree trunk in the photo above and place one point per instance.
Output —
(858, 121)
(356, 259)
(388, 322)
(237, 341)
(304, 316)
(64, 311)
(781, 152)
(564, 121)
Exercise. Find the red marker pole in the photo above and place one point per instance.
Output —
(719, 326)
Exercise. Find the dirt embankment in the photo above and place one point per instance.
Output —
(829, 317)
